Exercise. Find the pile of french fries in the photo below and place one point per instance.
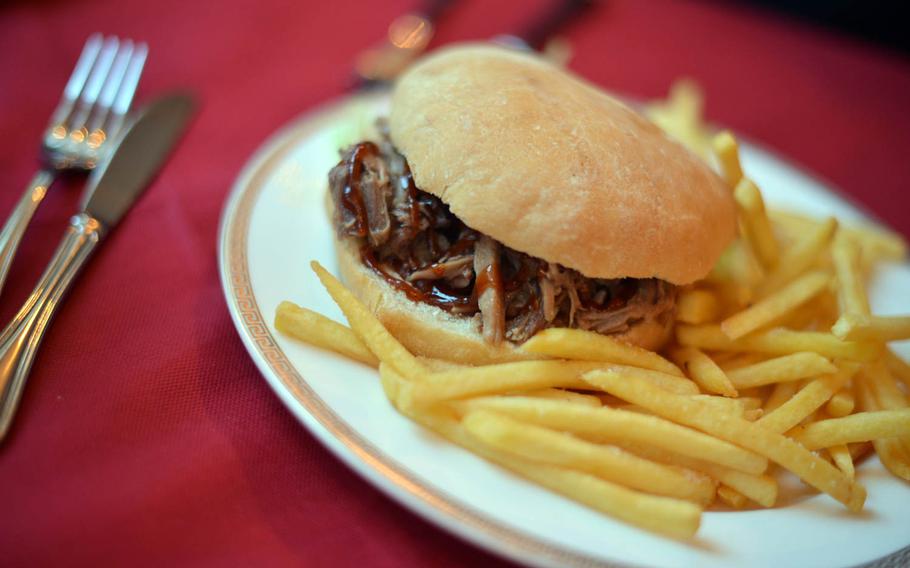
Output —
(777, 365)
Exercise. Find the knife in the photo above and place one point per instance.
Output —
(110, 192)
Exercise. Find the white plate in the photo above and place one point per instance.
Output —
(274, 224)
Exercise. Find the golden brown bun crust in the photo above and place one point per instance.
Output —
(429, 331)
(545, 163)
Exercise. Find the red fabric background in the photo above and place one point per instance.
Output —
(146, 436)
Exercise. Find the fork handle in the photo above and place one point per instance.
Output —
(20, 340)
(15, 226)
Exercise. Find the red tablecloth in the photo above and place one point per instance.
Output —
(146, 436)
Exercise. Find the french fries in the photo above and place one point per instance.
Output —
(614, 426)
(376, 337)
(543, 445)
(781, 369)
(675, 518)
(841, 457)
(756, 226)
(565, 395)
(798, 259)
(858, 327)
(726, 148)
(778, 341)
(703, 371)
(774, 306)
(851, 289)
(316, 329)
(590, 346)
(778, 448)
(809, 399)
(859, 427)
(777, 358)
(697, 306)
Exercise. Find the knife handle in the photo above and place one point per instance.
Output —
(15, 226)
(20, 340)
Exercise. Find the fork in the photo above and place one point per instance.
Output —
(88, 117)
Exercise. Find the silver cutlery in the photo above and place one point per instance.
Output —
(88, 117)
(111, 190)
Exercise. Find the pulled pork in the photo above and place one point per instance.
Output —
(412, 240)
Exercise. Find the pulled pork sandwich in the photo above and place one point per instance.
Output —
(505, 195)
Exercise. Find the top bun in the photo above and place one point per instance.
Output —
(547, 164)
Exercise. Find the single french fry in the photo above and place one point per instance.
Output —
(875, 243)
(781, 369)
(780, 449)
(731, 362)
(775, 305)
(798, 259)
(521, 376)
(583, 345)
(858, 327)
(680, 116)
(727, 151)
(316, 329)
(737, 266)
(840, 455)
(500, 378)
(777, 341)
(547, 446)
(753, 414)
(782, 393)
(369, 329)
(760, 488)
(884, 387)
(733, 498)
(755, 221)
(809, 399)
(890, 450)
(898, 367)
(841, 404)
(851, 291)
(722, 403)
(664, 515)
(703, 371)
(565, 395)
(859, 427)
(608, 425)
(733, 295)
(697, 306)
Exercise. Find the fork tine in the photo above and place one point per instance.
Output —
(94, 83)
(127, 88)
(77, 80)
(109, 90)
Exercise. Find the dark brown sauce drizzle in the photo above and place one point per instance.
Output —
(352, 196)
(431, 292)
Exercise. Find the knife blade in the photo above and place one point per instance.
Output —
(111, 190)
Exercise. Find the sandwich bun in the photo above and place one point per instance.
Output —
(547, 164)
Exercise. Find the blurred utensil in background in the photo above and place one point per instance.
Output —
(111, 190)
(409, 36)
(89, 115)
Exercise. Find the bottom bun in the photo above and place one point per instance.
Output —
(429, 331)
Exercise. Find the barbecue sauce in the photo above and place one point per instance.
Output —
(433, 292)
(351, 195)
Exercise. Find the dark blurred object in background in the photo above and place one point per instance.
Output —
(881, 21)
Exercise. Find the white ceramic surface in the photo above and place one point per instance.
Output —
(274, 224)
